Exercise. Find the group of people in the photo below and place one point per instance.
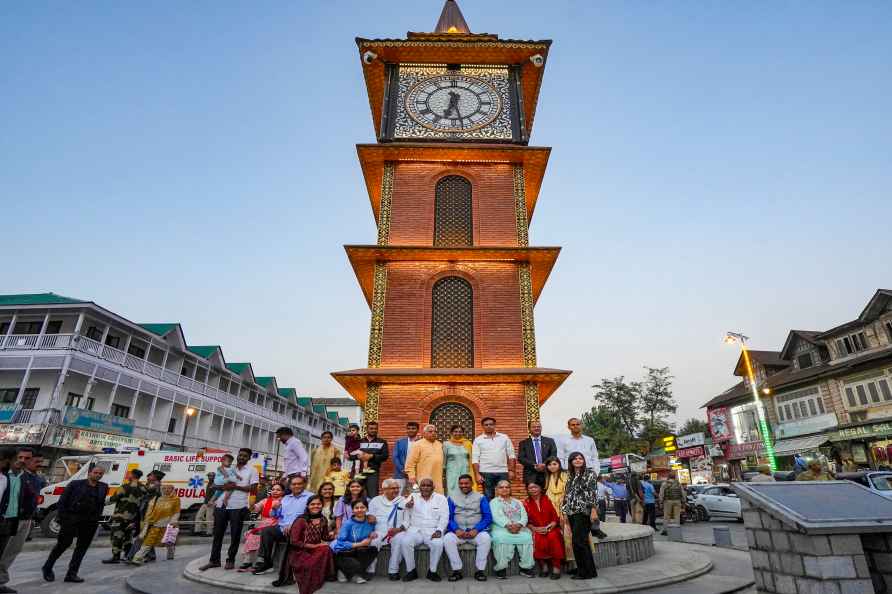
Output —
(20, 487)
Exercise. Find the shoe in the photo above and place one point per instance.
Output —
(115, 558)
(259, 569)
(554, 576)
(411, 576)
(434, 577)
(209, 565)
(455, 576)
(359, 579)
(480, 576)
(7, 590)
(341, 577)
(528, 573)
(543, 572)
(393, 577)
(571, 571)
(229, 565)
(502, 574)
(284, 582)
(48, 574)
(74, 579)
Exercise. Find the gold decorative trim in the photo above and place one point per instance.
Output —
(370, 410)
(376, 334)
(526, 315)
(531, 399)
(405, 43)
(520, 208)
(385, 211)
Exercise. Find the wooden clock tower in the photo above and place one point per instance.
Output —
(452, 280)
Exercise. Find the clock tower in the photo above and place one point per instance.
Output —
(452, 280)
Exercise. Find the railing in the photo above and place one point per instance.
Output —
(39, 416)
(88, 345)
(55, 341)
(20, 341)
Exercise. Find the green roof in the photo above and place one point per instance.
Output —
(289, 393)
(204, 351)
(37, 299)
(265, 380)
(238, 368)
(343, 421)
(159, 329)
(320, 408)
(333, 415)
(304, 401)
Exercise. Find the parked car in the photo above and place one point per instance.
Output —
(718, 501)
(879, 481)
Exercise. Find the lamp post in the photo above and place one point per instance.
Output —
(731, 338)
(189, 412)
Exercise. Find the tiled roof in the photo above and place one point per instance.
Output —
(206, 351)
(38, 299)
(237, 368)
(159, 329)
(304, 401)
(320, 408)
(264, 380)
(288, 393)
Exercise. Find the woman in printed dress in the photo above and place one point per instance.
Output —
(555, 484)
(310, 558)
(252, 537)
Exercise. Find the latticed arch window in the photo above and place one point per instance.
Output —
(449, 414)
(453, 223)
(452, 323)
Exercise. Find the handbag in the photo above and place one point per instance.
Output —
(170, 535)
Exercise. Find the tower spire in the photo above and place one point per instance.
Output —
(451, 19)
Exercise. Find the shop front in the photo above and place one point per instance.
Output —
(865, 445)
(743, 457)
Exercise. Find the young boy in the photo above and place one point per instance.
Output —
(225, 474)
(351, 449)
(339, 478)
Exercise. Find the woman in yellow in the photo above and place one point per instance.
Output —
(457, 453)
(555, 482)
(163, 511)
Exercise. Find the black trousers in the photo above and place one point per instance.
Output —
(83, 532)
(602, 510)
(580, 525)
(356, 561)
(269, 536)
(234, 519)
(650, 515)
(621, 507)
(371, 485)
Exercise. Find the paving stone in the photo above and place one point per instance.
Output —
(763, 540)
(751, 538)
(846, 544)
(861, 568)
(829, 567)
(791, 564)
(781, 540)
(856, 587)
(760, 559)
(810, 545)
(770, 523)
(813, 586)
(874, 542)
(752, 518)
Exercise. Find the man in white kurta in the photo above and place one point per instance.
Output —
(577, 442)
(428, 517)
(389, 512)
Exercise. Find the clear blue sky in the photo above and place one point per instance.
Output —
(716, 166)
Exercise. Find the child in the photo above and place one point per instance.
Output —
(225, 474)
(339, 478)
(351, 449)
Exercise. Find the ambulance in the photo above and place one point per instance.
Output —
(187, 471)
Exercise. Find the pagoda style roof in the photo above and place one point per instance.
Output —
(451, 19)
(356, 381)
(453, 48)
(364, 257)
(373, 156)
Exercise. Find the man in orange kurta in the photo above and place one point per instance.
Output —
(425, 459)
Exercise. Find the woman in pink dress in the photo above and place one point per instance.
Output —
(252, 537)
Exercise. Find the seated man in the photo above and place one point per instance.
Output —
(428, 514)
(469, 520)
(388, 510)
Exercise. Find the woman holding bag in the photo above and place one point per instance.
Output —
(160, 524)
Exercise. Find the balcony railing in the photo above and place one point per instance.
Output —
(119, 357)
(39, 416)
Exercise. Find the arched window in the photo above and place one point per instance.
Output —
(452, 323)
(453, 224)
(449, 414)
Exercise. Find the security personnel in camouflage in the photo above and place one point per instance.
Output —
(125, 518)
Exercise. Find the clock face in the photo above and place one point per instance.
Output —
(453, 103)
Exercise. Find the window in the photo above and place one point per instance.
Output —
(113, 341)
(876, 390)
(8, 395)
(73, 399)
(4, 327)
(804, 361)
(137, 351)
(94, 333)
(27, 327)
(90, 402)
(172, 426)
(54, 327)
(854, 343)
(800, 404)
(453, 221)
(452, 323)
(29, 398)
(888, 327)
(118, 410)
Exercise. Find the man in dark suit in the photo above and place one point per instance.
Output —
(80, 509)
(533, 453)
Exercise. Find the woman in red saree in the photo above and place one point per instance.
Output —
(544, 522)
(310, 557)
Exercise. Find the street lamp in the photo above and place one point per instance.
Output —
(189, 412)
(731, 338)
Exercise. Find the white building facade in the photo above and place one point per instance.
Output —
(76, 377)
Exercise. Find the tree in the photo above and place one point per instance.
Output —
(656, 402)
(694, 425)
(620, 401)
(602, 425)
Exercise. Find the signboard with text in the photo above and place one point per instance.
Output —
(875, 430)
(738, 451)
(87, 419)
(7, 412)
(690, 440)
(95, 441)
(690, 452)
(22, 433)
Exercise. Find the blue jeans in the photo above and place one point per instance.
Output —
(490, 480)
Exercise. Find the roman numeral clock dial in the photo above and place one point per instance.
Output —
(453, 103)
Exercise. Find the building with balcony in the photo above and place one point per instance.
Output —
(76, 377)
(824, 393)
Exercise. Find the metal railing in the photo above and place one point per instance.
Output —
(36, 416)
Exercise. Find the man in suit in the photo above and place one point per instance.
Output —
(533, 452)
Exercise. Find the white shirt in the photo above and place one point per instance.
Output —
(427, 516)
(492, 453)
(296, 459)
(381, 507)
(603, 491)
(247, 476)
(585, 445)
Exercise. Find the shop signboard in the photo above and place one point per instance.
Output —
(7, 411)
(805, 426)
(22, 433)
(719, 424)
(738, 451)
(659, 462)
(684, 476)
(863, 432)
(716, 451)
(87, 419)
(618, 461)
(95, 441)
(701, 464)
(690, 440)
(690, 452)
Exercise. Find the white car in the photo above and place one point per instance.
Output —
(718, 501)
